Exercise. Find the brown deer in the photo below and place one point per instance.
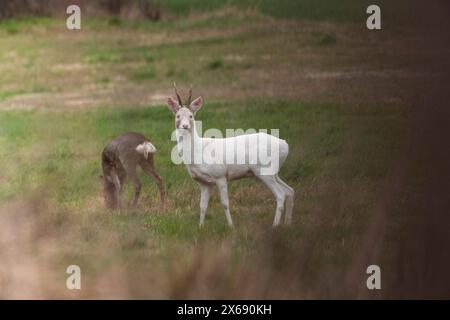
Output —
(120, 159)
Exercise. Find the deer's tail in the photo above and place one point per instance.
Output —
(145, 148)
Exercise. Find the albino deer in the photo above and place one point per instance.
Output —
(191, 146)
(120, 159)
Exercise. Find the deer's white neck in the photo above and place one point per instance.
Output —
(189, 144)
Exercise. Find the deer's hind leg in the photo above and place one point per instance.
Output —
(148, 166)
(117, 186)
(289, 200)
(122, 175)
(278, 191)
(130, 170)
(223, 192)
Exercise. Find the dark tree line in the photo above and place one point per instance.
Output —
(144, 9)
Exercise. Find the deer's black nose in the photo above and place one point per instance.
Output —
(185, 126)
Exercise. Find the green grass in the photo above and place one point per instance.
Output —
(7, 94)
(325, 39)
(104, 57)
(66, 147)
(144, 72)
(216, 64)
(17, 25)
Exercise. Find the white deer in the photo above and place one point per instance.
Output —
(192, 148)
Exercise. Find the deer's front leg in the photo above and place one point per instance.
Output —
(223, 191)
(205, 194)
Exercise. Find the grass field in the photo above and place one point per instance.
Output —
(335, 96)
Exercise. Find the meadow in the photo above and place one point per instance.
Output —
(335, 96)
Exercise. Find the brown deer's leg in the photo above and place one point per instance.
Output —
(132, 174)
(117, 187)
(149, 168)
(121, 173)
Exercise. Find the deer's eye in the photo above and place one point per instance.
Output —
(190, 116)
(178, 116)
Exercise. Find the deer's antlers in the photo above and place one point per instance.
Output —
(190, 95)
(178, 96)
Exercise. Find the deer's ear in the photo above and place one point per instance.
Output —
(172, 104)
(196, 104)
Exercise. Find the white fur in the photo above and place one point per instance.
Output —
(191, 146)
(145, 148)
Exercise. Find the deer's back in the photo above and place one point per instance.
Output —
(122, 149)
